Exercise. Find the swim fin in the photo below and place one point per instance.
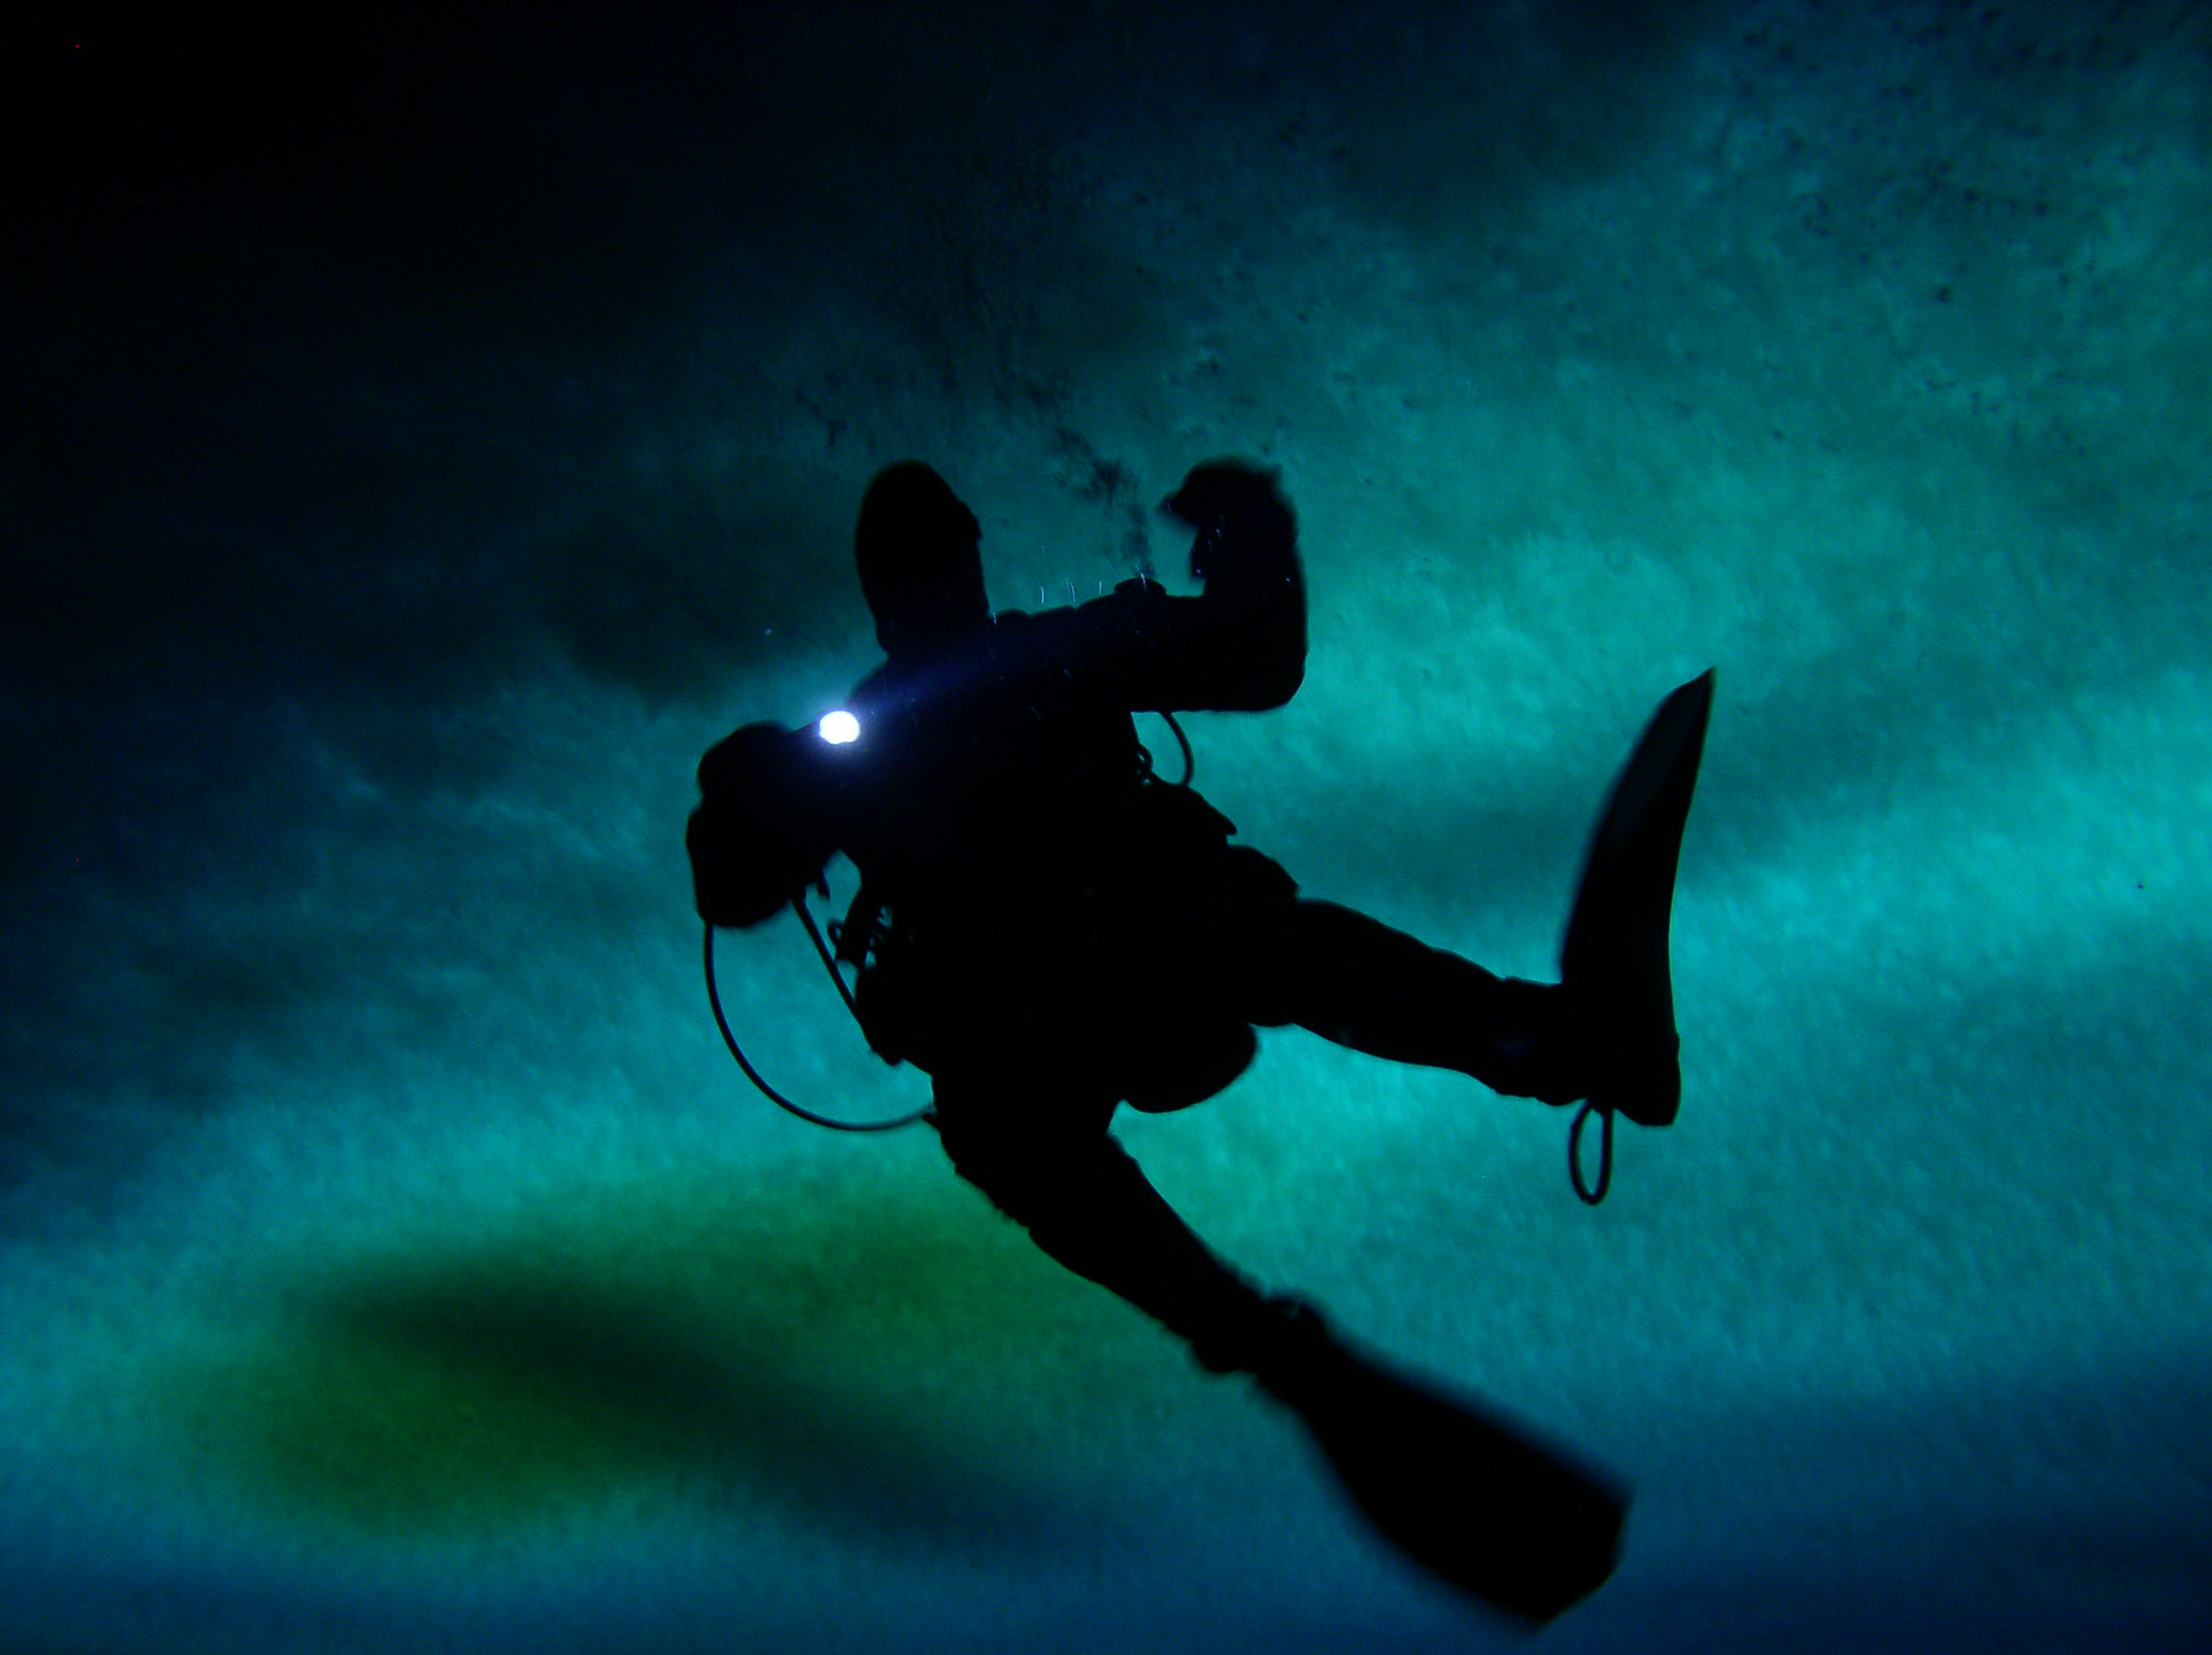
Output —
(1507, 1520)
(1615, 960)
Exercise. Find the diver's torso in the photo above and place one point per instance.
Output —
(1041, 890)
(984, 797)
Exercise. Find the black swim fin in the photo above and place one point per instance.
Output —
(1507, 1520)
(1615, 961)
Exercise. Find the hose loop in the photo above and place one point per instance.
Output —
(721, 1022)
(1591, 1194)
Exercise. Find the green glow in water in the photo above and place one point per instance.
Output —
(883, 1359)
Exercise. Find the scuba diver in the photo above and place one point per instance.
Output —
(1050, 930)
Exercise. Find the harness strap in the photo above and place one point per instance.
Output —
(856, 934)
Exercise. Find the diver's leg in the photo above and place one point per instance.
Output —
(1355, 980)
(1506, 1518)
(1091, 1208)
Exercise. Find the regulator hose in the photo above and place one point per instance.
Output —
(721, 1022)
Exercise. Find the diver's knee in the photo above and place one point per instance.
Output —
(1023, 1164)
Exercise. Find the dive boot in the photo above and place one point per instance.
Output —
(1613, 964)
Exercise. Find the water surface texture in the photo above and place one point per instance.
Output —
(427, 437)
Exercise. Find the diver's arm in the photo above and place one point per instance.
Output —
(1244, 648)
(1238, 647)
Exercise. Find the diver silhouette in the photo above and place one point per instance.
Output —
(1050, 931)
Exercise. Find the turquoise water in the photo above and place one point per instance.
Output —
(391, 1258)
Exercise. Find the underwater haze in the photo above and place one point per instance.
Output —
(427, 437)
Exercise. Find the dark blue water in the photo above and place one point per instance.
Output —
(425, 439)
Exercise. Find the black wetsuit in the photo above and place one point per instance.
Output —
(1062, 932)
(1050, 931)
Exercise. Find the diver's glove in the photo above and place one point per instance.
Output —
(1245, 526)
